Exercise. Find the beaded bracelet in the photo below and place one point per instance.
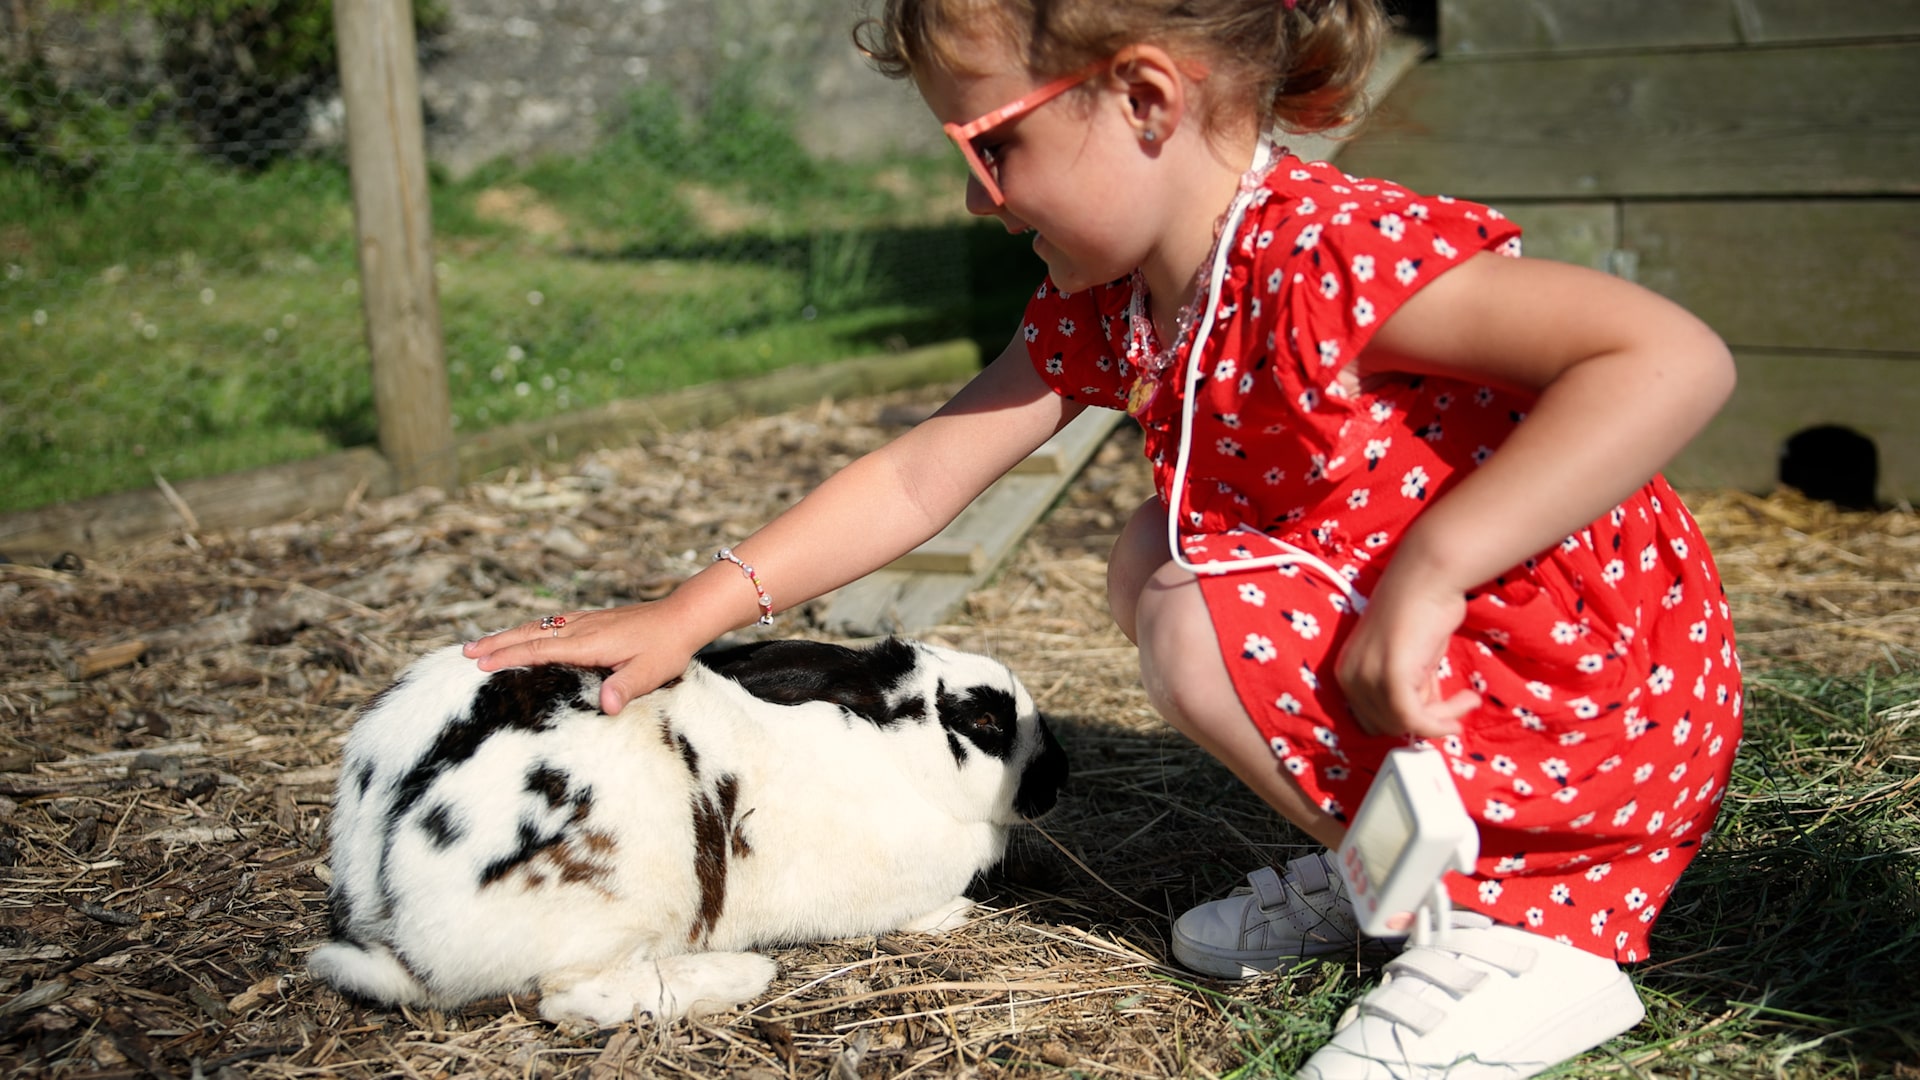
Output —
(759, 590)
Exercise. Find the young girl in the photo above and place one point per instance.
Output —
(1406, 486)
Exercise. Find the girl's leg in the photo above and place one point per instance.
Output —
(1159, 606)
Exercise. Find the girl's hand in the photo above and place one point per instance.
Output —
(1389, 666)
(636, 641)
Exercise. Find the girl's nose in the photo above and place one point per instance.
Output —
(979, 203)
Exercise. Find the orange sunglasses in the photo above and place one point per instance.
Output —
(964, 134)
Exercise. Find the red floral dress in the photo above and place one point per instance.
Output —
(1611, 696)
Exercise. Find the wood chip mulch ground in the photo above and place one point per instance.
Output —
(171, 718)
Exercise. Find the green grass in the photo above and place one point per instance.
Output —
(181, 318)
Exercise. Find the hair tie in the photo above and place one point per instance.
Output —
(1289, 4)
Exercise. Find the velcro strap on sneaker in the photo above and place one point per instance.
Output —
(1438, 968)
(1269, 892)
(1310, 873)
(1397, 1005)
(1490, 950)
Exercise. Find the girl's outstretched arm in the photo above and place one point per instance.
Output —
(857, 521)
(1625, 379)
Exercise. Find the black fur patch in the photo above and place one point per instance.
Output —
(792, 672)
(440, 827)
(1043, 778)
(547, 781)
(516, 699)
(985, 715)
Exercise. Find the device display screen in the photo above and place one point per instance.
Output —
(1384, 835)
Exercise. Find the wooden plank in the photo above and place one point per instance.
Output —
(1781, 393)
(1523, 27)
(1827, 120)
(1787, 274)
(387, 158)
(907, 600)
(235, 500)
(275, 493)
(1583, 233)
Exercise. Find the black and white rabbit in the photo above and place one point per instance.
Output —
(496, 833)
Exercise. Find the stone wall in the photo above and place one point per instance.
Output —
(513, 77)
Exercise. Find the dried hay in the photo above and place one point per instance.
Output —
(170, 719)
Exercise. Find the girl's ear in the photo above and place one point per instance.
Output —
(1155, 91)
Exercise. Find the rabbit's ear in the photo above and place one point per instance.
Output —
(794, 672)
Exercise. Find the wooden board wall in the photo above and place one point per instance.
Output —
(1756, 160)
(1511, 27)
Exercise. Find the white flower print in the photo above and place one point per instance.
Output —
(1625, 813)
(1522, 788)
(1297, 766)
(1598, 871)
(1329, 285)
(1643, 772)
(1253, 594)
(1536, 917)
(1357, 498)
(1279, 746)
(1649, 557)
(1591, 663)
(1464, 769)
(1636, 898)
(1697, 633)
(1580, 822)
(1326, 737)
(1414, 484)
(1658, 855)
(1329, 353)
(1510, 864)
(1377, 451)
(1504, 765)
(1598, 920)
(1679, 546)
(1265, 240)
(1380, 411)
(1661, 680)
(1246, 383)
(1540, 690)
(1417, 211)
(1309, 237)
(1490, 892)
(1584, 708)
(1556, 770)
(1030, 332)
(1363, 312)
(1225, 369)
(1377, 540)
(1066, 328)
(1560, 894)
(1682, 730)
(1613, 572)
(1567, 738)
(1304, 624)
(1259, 648)
(1274, 281)
(1566, 795)
(1391, 226)
(1309, 677)
(1497, 812)
(1056, 364)
(1288, 704)
(1566, 633)
(1406, 270)
(1226, 447)
(1444, 249)
(1363, 268)
(1655, 820)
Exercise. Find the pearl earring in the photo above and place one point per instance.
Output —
(1148, 135)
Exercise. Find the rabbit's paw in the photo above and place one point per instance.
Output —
(665, 989)
(949, 916)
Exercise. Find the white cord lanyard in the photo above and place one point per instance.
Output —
(1291, 555)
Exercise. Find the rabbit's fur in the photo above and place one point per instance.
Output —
(495, 833)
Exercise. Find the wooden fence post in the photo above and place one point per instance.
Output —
(386, 151)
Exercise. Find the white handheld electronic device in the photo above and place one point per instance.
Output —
(1409, 831)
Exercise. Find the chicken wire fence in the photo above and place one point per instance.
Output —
(178, 279)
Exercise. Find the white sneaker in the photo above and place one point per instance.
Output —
(1484, 1002)
(1277, 921)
